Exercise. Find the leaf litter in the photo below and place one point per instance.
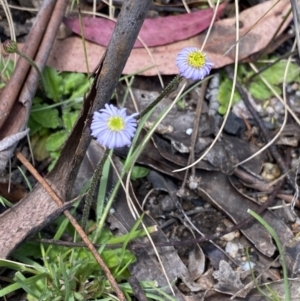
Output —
(67, 54)
(169, 147)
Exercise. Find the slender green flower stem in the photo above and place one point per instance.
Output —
(164, 93)
(33, 64)
(89, 198)
(12, 47)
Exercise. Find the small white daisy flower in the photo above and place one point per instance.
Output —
(112, 127)
(193, 63)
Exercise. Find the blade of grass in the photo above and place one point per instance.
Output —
(33, 269)
(102, 192)
(25, 283)
(9, 289)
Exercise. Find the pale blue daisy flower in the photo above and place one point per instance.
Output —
(193, 63)
(112, 127)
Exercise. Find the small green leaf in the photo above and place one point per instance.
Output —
(78, 296)
(33, 126)
(225, 92)
(44, 132)
(37, 100)
(56, 140)
(139, 172)
(39, 147)
(53, 84)
(243, 70)
(69, 119)
(54, 156)
(222, 110)
(260, 91)
(7, 68)
(293, 73)
(75, 84)
(81, 91)
(275, 74)
(113, 257)
(180, 104)
(48, 118)
(73, 81)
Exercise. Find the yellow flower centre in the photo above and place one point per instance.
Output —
(116, 123)
(196, 59)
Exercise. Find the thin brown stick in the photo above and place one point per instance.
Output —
(73, 221)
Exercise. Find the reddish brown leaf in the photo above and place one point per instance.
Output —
(155, 32)
(258, 24)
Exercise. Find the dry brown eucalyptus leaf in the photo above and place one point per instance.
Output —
(255, 34)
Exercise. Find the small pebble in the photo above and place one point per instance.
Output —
(263, 199)
(193, 185)
(232, 248)
(189, 131)
(289, 89)
(270, 110)
(229, 236)
(295, 86)
(234, 125)
(247, 266)
(270, 171)
(295, 163)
